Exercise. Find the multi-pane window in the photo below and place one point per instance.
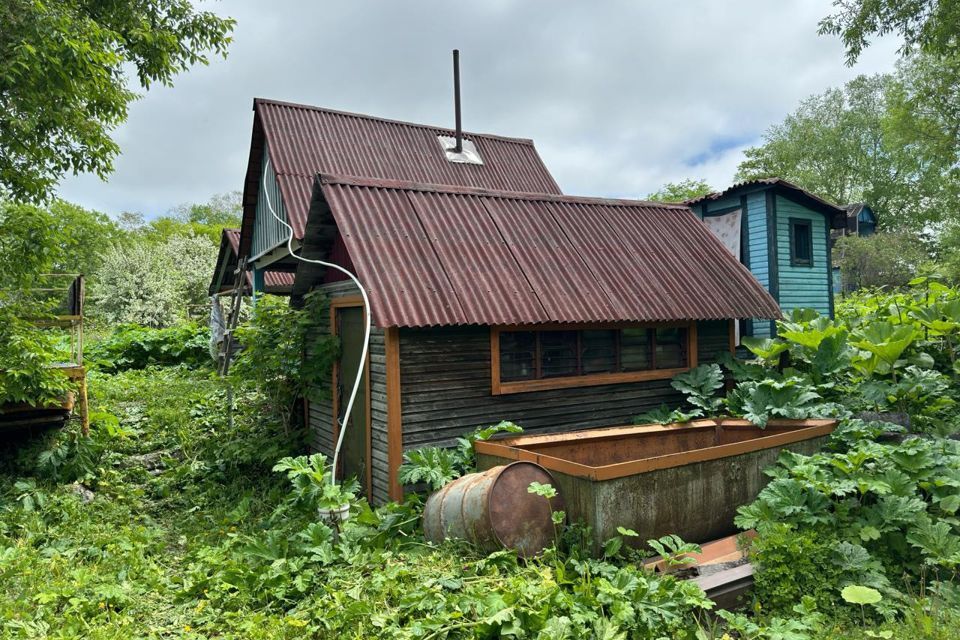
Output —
(801, 242)
(543, 355)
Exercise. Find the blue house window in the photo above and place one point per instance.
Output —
(801, 243)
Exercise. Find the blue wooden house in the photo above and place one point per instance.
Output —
(782, 233)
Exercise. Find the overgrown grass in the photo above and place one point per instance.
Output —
(167, 481)
(189, 534)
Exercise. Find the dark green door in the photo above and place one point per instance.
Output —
(353, 455)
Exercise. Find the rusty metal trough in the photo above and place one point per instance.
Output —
(688, 479)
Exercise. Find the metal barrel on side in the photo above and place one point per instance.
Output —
(494, 510)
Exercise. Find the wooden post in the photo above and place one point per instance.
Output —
(394, 407)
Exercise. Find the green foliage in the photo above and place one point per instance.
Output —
(700, 385)
(64, 84)
(664, 415)
(908, 177)
(310, 477)
(436, 466)
(858, 594)
(674, 550)
(758, 402)
(681, 191)
(284, 355)
(131, 346)
(27, 359)
(865, 514)
(884, 259)
(543, 490)
(27, 245)
(927, 25)
(154, 283)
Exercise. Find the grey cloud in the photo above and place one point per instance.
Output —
(619, 96)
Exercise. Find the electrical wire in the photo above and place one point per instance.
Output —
(366, 313)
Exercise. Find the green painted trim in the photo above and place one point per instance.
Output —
(811, 205)
(772, 253)
(794, 261)
(830, 270)
(719, 212)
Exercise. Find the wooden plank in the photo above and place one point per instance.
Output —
(343, 302)
(394, 413)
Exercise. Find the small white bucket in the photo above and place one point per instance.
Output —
(335, 516)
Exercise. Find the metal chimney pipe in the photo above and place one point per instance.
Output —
(456, 100)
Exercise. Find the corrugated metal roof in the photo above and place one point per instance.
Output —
(273, 281)
(303, 140)
(837, 213)
(441, 255)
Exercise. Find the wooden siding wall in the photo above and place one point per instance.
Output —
(759, 251)
(321, 410)
(755, 252)
(803, 286)
(267, 231)
(445, 381)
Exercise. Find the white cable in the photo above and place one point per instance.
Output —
(366, 313)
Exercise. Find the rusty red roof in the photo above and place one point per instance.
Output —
(303, 141)
(442, 255)
(273, 281)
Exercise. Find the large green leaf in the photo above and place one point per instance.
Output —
(856, 594)
(884, 340)
(764, 348)
(811, 334)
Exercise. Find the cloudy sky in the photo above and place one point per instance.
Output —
(620, 96)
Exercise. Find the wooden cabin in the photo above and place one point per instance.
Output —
(782, 234)
(493, 296)
(556, 312)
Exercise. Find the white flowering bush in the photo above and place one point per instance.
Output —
(153, 283)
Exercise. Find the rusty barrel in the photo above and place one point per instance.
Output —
(493, 509)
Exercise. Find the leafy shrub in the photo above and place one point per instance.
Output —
(285, 354)
(436, 466)
(132, 346)
(153, 283)
(27, 356)
(867, 512)
(791, 563)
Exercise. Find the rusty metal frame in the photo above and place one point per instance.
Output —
(498, 387)
(512, 448)
(348, 302)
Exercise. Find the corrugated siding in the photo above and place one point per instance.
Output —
(759, 263)
(445, 381)
(268, 232)
(321, 410)
(807, 287)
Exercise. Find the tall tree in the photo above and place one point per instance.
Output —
(855, 144)
(63, 81)
(931, 26)
(681, 191)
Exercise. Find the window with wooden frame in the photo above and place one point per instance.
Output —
(801, 242)
(536, 358)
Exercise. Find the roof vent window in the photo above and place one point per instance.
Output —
(469, 154)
